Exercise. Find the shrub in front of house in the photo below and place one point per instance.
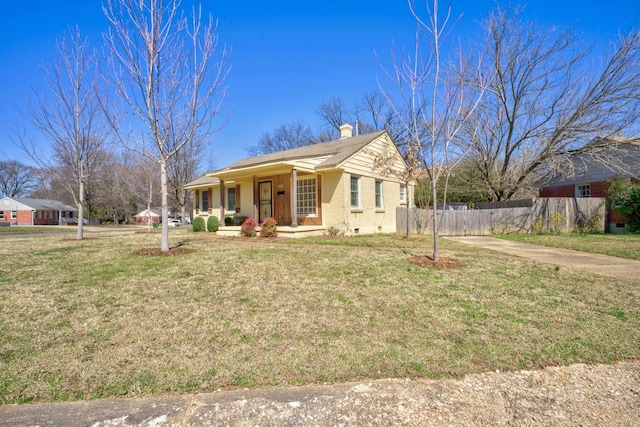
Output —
(213, 223)
(268, 228)
(239, 219)
(198, 224)
(228, 221)
(248, 228)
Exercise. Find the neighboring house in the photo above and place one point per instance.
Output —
(618, 157)
(310, 189)
(145, 216)
(19, 211)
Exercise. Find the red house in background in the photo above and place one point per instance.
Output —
(19, 211)
(145, 216)
(592, 174)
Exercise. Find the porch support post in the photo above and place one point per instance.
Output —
(294, 198)
(256, 198)
(222, 201)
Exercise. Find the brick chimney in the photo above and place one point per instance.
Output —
(346, 131)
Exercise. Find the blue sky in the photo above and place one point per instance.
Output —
(287, 56)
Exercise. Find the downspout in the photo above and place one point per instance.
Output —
(222, 200)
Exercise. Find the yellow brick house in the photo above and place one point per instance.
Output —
(308, 190)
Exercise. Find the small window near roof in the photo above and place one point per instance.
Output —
(583, 190)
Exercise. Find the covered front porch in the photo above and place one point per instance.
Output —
(292, 196)
(283, 231)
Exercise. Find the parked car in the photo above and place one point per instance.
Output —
(174, 222)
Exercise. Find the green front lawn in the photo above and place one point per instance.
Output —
(37, 229)
(92, 318)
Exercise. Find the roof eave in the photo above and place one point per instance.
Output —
(256, 168)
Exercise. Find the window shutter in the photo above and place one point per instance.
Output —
(238, 198)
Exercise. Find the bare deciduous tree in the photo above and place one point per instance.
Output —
(388, 165)
(433, 101)
(284, 137)
(69, 116)
(146, 182)
(333, 113)
(548, 100)
(110, 192)
(368, 115)
(16, 179)
(183, 169)
(168, 74)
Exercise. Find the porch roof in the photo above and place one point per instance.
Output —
(203, 181)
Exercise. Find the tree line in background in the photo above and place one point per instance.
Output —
(119, 187)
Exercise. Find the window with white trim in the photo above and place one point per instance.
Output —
(14, 214)
(307, 199)
(1, 215)
(403, 193)
(583, 190)
(379, 204)
(355, 192)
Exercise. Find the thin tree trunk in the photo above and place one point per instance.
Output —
(149, 197)
(408, 212)
(434, 195)
(80, 231)
(164, 244)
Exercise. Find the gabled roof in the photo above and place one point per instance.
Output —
(45, 204)
(337, 151)
(608, 158)
(145, 213)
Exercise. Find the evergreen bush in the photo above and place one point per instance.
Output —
(213, 223)
(198, 224)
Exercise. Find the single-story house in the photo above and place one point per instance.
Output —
(145, 216)
(20, 211)
(590, 175)
(310, 190)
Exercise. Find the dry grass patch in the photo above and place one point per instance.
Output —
(88, 319)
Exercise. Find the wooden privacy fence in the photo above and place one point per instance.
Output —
(553, 214)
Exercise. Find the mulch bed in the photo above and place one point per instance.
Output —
(443, 262)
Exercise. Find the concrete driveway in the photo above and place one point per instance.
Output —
(620, 268)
